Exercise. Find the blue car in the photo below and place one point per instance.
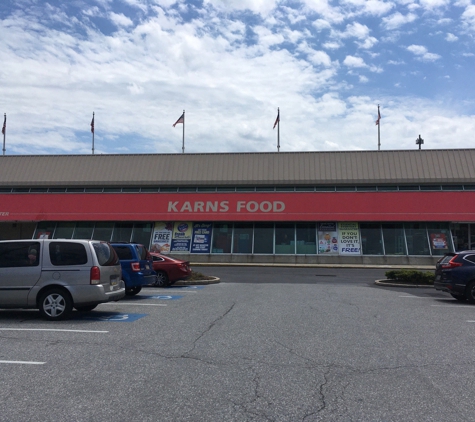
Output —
(137, 266)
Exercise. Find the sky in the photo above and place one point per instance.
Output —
(230, 65)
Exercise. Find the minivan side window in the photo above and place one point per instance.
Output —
(19, 254)
(67, 253)
(106, 255)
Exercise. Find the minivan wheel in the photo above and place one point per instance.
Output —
(162, 279)
(133, 290)
(470, 292)
(55, 304)
(85, 308)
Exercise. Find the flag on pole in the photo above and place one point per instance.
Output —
(181, 119)
(277, 120)
(4, 127)
(92, 123)
(379, 117)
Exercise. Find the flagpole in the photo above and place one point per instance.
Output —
(92, 130)
(4, 130)
(183, 143)
(379, 133)
(278, 130)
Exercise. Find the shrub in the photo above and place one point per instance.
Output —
(411, 276)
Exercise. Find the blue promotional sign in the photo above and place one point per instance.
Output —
(112, 317)
(181, 245)
(201, 240)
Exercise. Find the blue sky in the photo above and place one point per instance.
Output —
(230, 64)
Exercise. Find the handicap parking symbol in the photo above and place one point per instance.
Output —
(165, 297)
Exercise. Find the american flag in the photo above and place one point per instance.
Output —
(181, 119)
(379, 117)
(277, 120)
(92, 124)
(4, 127)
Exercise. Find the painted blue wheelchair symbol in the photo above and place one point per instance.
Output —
(166, 297)
(113, 317)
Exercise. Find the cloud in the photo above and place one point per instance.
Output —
(120, 20)
(354, 62)
(451, 37)
(422, 53)
(397, 20)
(468, 17)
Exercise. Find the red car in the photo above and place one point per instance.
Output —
(169, 269)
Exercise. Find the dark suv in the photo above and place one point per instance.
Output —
(137, 266)
(455, 274)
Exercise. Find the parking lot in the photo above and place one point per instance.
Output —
(281, 344)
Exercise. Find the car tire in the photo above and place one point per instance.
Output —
(162, 279)
(55, 304)
(85, 308)
(460, 298)
(470, 292)
(133, 290)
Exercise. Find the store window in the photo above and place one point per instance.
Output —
(394, 240)
(103, 231)
(440, 238)
(416, 238)
(285, 239)
(122, 232)
(64, 230)
(371, 239)
(142, 233)
(222, 238)
(242, 241)
(264, 238)
(44, 229)
(306, 239)
(83, 230)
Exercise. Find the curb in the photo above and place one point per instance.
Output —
(211, 280)
(391, 284)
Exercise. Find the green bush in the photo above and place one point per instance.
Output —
(411, 276)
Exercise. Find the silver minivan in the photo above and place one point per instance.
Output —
(55, 275)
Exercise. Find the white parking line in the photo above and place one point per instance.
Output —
(52, 329)
(417, 297)
(18, 362)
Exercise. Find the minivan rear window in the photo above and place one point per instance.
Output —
(106, 254)
(19, 254)
(67, 253)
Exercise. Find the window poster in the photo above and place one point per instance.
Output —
(181, 238)
(327, 238)
(201, 240)
(438, 241)
(161, 239)
(349, 239)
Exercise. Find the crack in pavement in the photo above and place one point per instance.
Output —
(184, 355)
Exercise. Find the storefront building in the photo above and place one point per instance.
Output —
(361, 207)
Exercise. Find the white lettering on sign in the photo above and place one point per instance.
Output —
(4, 213)
(198, 206)
(223, 206)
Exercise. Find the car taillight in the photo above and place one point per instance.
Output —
(95, 275)
(451, 264)
(135, 266)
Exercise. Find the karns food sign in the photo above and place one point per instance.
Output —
(225, 206)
